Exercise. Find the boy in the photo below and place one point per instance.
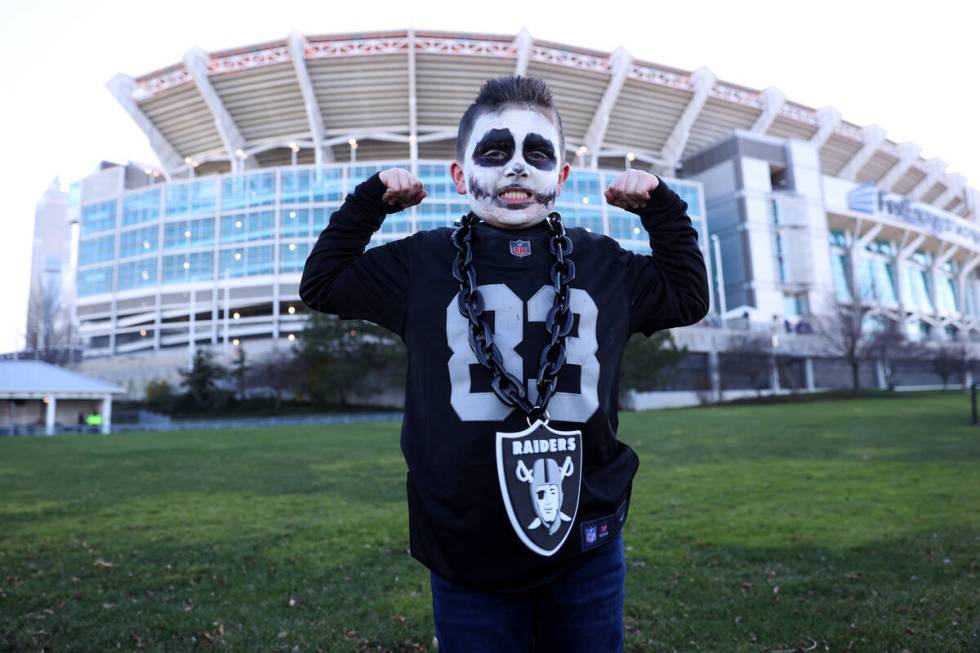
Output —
(517, 485)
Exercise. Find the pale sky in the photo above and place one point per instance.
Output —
(908, 67)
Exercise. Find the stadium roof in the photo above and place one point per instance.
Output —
(34, 379)
(397, 94)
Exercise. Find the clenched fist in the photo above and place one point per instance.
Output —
(632, 189)
(402, 188)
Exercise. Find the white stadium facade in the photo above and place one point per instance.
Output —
(796, 208)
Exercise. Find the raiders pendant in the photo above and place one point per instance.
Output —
(540, 473)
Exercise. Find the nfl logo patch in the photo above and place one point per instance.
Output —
(590, 535)
(520, 248)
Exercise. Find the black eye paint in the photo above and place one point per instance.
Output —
(539, 152)
(495, 149)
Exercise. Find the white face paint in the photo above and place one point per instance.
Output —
(513, 167)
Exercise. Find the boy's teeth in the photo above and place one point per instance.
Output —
(516, 195)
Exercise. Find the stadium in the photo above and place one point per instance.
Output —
(796, 208)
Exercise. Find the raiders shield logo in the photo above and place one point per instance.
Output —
(540, 473)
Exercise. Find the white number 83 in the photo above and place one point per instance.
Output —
(508, 332)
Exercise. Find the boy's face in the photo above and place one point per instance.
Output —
(513, 168)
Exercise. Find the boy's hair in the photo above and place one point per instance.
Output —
(496, 94)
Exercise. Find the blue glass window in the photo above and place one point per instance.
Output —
(245, 191)
(98, 217)
(590, 219)
(94, 250)
(137, 242)
(317, 185)
(240, 227)
(93, 281)
(292, 256)
(141, 207)
(193, 266)
(302, 223)
(581, 189)
(246, 261)
(690, 194)
(840, 264)
(437, 182)
(192, 198)
(137, 273)
(838, 238)
(188, 233)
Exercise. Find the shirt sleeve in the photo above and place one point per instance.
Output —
(340, 278)
(668, 288)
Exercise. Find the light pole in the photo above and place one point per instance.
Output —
(719, 278)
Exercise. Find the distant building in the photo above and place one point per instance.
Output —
(52, 278)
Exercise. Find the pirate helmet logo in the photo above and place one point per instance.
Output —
(540, 479)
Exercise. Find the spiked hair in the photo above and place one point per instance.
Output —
(516, 90)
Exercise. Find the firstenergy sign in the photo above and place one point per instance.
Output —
(868, 199)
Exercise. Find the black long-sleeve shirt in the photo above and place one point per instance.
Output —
(459, 526)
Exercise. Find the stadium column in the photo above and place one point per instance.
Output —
(908, 153)
(297, 52)
(937, 274)
(197, 63)
(107, 414)
(523, 44)
(772, 101)
(702, 80)
(954, 183)
(50, 415)
(808, 373)
(858, 242)
(962, 283)
(872, 138)
(827, 120)
(905, 250)
(935, 169)
(619, 63)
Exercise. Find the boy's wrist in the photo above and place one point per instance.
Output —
(371, 191)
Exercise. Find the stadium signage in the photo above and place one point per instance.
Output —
(868, 199)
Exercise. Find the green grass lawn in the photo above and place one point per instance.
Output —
(851, 525)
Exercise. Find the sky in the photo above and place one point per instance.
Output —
(907, 67)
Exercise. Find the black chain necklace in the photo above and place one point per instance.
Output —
(509, 388)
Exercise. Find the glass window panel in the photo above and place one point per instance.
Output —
(97, 217)
(141, 207)
(95, 250)
(840, 265)
(295, 223)
(193, 266)
(260, 225)
(188, 233)
(292, 256)
(137, 242)
(192, 198)
(93, 281)
(138, 273)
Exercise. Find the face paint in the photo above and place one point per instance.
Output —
(512, 167)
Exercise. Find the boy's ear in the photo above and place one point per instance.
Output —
(563, 175)
(459, 180)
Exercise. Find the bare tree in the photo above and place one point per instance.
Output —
(277, 371)
(844, 331)
(951, 361)
(751, 356)
(888, 345)
(50, 333)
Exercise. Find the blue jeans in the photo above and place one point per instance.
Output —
(581, 611)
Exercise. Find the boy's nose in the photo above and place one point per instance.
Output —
(517, 169)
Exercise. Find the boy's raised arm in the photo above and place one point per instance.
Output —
(341, 278)
(670, 287)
